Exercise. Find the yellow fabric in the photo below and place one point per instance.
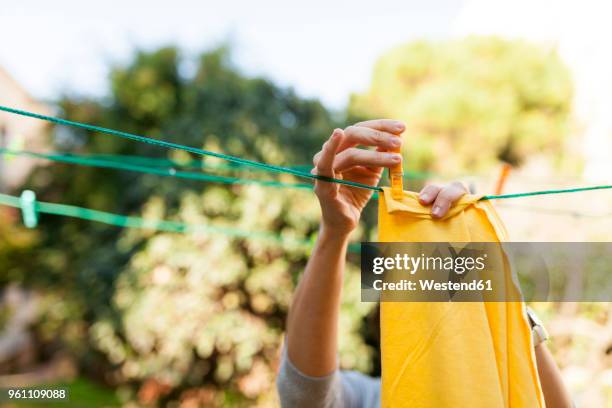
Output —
(443, 354)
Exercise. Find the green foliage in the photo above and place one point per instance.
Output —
(167, 317)
(205, 309)
(471, 102)
(216, 108)
(15, 246)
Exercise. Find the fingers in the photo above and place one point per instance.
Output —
(366, 136)
(355, 157)
(339, 153)
(429, 193)
(324, 162)
(442, 197)
(446, 198)
(385, 125)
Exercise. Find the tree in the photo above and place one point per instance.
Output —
(471, 102)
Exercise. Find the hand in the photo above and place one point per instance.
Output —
(442, 197)
(341, 205)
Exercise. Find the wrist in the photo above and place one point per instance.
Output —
(332, 235)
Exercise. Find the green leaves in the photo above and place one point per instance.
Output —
(471, 102)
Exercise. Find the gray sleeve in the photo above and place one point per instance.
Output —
(360, 390)
(340, 389)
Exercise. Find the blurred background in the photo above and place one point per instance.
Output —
(140, 318)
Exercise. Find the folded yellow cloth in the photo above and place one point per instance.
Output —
(444, 354)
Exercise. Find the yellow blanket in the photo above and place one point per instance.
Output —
(437, 354)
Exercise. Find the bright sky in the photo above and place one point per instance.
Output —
(322, 48)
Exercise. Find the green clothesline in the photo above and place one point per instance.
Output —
(161, 167)
(83, 160)
(87, 160)
(31, 208)
(201, 164)
(545, 192)
(142, 223)
(264, 166)
(194, 150)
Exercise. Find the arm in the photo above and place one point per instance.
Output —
(555, 393)
(313, 319)
(313, 316)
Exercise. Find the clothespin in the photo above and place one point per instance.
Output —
(503, 176)
(396, 176)
(29, 211)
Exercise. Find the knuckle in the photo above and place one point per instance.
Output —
(351, 130)
(339, 164)
(447, 194)
(353, 151)
(378, 137)
(380, 156)
(351, 156)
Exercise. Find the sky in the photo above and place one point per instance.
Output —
(324, 49)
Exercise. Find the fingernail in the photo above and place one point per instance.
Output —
(395, 158)
(424, 196)
(399, 126)
(396, 142)
(437, 211)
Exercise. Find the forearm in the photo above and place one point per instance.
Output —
(312, 325)
(555, 393)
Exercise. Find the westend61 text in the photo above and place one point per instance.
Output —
(432, 285)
